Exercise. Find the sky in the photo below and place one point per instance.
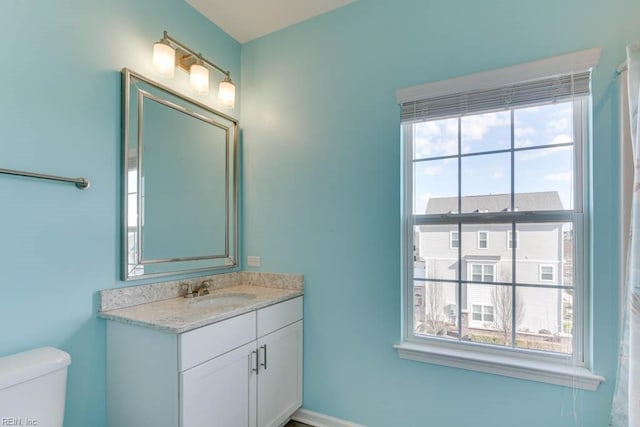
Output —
(542, 168)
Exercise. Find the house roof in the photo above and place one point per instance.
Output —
(546, 200)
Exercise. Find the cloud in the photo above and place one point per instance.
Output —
(432, 170)
(560, 176)
(497, 174)
(558, 126)
(524, 132)
(436, 138)
(474, 128)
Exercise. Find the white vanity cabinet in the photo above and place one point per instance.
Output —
(279, 379)
(241, 372)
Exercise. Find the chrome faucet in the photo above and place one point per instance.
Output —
(197, 291)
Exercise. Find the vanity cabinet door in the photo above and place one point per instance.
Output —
(280, 376)
(220, 392)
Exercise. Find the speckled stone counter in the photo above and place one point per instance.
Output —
(160, 305)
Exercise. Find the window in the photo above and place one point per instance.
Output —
(454, 239)
(508, 147)
(546, 273)
(508, 159)
(482, 313)
(483, 240)
(482, 273)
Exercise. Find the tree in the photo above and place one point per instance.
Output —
(502, 297)
(434, 306)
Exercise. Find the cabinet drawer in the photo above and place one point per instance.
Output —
(279, 315)
(205, 343)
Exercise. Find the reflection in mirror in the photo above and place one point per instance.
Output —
(180, 206)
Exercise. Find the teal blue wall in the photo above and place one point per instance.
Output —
(322, 193)
(321, 171)
(60, 114)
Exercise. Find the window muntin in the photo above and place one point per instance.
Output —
(552, 195)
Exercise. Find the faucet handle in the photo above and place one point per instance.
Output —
(204, 288)
(189, 289)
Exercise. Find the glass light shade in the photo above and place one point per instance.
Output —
(164, 59)
(227, 94)
(199, 78)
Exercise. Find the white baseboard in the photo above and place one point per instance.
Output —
(320, 420)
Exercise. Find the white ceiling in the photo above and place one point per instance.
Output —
(246, 20)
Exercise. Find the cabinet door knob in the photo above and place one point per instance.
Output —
(255, 368)
(264, 364)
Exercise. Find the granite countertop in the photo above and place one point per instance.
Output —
(148, 305)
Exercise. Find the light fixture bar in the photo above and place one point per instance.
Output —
(185, 61)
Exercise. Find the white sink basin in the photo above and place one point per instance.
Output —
(225, 300)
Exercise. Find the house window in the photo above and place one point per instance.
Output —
(482, 272)
(546, 273)
(505, 159)
(482, 313)
(483, 240)
(454, 239)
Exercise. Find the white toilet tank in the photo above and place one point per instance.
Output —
(33, 385)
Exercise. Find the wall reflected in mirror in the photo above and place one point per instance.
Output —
(180, 182)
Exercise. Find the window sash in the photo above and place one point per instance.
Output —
(476, 313)
(575, 216)
(488, 313)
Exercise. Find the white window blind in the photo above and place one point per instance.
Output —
(542, 82)
(545, 91)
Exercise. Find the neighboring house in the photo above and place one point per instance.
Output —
(487, 256)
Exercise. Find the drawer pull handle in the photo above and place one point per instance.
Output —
(264, 364)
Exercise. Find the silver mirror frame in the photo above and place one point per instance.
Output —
(227, 262)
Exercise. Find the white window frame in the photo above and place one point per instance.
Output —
(540, 272)
(485, 240)
(573, 370)
(483, 275)
(484, 312)
(451, 239)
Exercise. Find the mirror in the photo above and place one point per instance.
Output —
(179, 183)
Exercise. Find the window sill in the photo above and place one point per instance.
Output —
(499, 364)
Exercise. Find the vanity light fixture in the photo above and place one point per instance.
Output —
(164, 58)
(199, 77)
(169, 53)
(227, 93)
